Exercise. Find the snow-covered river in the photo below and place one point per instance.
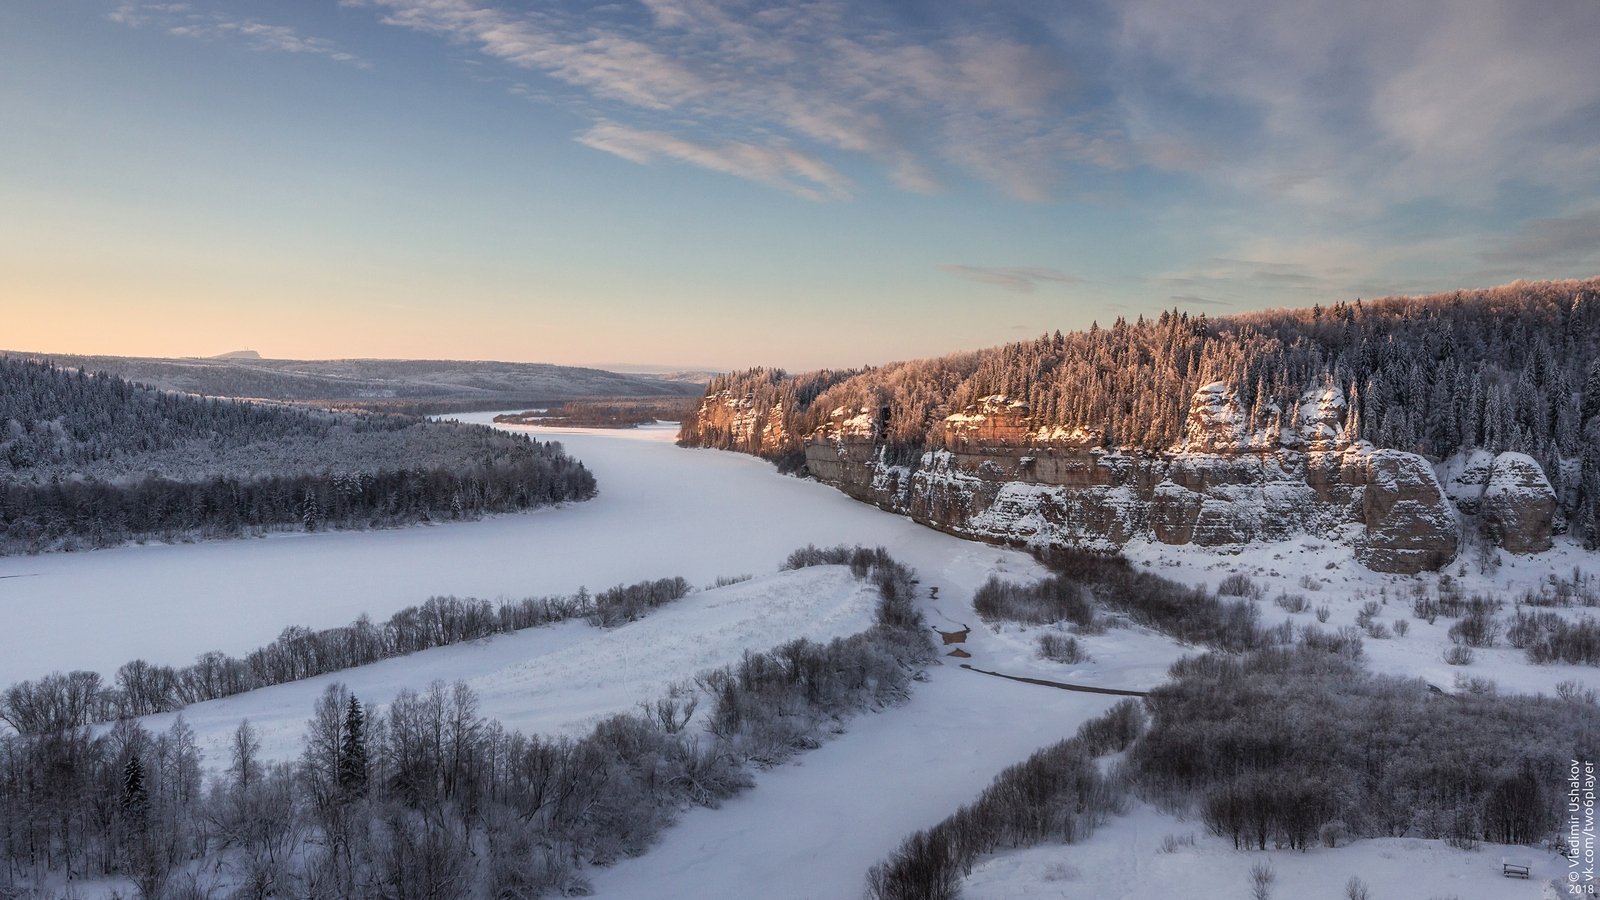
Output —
(662, 511)
(809, 829)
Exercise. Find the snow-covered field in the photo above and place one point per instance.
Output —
(810, 828)
(1327, 574)
(1126, 860)
(564, 678)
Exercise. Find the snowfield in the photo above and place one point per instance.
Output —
(563, 678)
(1126, 860)
(1327, 573)
(810, 828)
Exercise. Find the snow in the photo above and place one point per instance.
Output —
(1326, 572)
(1125, 860)
(1517, 474)
(562, 679)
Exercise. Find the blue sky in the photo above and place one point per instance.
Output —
(725, 183)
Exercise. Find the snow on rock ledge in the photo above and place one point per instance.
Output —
(1518, 504)
(1002, 478)
(1410, 525)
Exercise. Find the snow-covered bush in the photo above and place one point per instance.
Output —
(1061, 648)
(1294, 603)
(1045, 602)
(1274, 746)
(1189, 614)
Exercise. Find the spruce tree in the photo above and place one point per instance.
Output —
(134, 801)
(353, 752)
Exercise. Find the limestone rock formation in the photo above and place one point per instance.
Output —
(1518, 504)
(1002, 479)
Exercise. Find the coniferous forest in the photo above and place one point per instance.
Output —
(1509, 368)
(91, 460)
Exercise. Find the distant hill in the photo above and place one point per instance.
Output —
(238, 354)
(393, 384)
(94, 460)
(696, 376)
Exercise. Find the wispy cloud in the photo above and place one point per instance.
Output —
(1197, 300)
(1012, 278)
(1353, 107)
(184, 20)
(780, 166)
(843, 77)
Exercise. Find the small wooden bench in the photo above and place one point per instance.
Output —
(1515, 868)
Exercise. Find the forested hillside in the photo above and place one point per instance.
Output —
(1509, 368)
(93, 460)
(413, 386)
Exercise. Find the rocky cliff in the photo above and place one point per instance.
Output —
(999, 477)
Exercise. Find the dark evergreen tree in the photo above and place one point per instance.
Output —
(353, 752)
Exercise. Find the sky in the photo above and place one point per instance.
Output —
(727, 183)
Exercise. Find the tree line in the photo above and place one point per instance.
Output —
(1509, 368)
(426, 798)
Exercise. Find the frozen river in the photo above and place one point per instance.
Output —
(662, 511)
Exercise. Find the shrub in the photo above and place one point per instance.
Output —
(1047, 602)
(1479, 628)
(1294, 603)
(1575, 692)
(1061, 648)
(1333, 834)
(1172, 843)
(1458, 655)
(1285, 746)
(1189, 614)
(1548, 638)
(1237, 585)
(1368, 612)
(1346, 642)
(1262, 878)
